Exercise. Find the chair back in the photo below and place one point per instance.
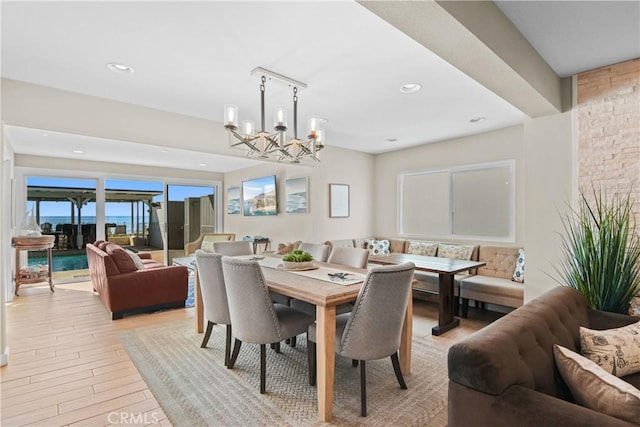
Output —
(351, 257)
(205, 242)
(214, 294)
(252, 313)
(240, 247)
(374, 328)
(318, 251)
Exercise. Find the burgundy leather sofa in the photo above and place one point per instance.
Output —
(124, 287)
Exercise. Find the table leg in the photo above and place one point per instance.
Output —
(198, 302)
(446, 320)
(325, 357)
(405, 340)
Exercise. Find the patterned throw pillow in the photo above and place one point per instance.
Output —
(617, 351)
(136, 259)
(285, 248)
(422, 248)
(463, 252)
(518, 274)
(596, 389)
(378, 247)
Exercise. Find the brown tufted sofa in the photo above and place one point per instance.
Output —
(505, 374)
(124, 288)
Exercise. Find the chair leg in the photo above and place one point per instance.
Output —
(311, 358)
(234, 355)
(227, 347)
(292, 341)
(275, 346)
(207, 334)
(354, 363)
(396, 368)
(456, 305)
(465, 307)
(263, 367)
(363, 389)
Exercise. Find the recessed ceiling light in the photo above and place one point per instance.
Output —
(203, 164)
(119, 68)
(391, 139)
(164, 151)
(78, 152)
(478, 119)
(410, 88)
(45, 134)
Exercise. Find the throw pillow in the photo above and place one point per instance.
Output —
(123, 262)
(463, 252)
(378, 247)
(518, 274)
(285, 248)
(617, 351)
(596, 389)
(422, 248)
(136, 259)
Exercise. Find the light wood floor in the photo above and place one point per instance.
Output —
(67, 366)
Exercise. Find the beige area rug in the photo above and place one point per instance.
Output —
(195, 389)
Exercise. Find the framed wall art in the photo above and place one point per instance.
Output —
(296, 190)
(233, 200)
(338, 200)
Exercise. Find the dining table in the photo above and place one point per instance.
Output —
(326, 290)
(446, 268)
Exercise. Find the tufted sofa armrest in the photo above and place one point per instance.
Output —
(518, 348)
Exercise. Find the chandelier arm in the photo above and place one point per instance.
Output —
(295, 112)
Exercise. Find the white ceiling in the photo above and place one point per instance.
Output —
(193, 57)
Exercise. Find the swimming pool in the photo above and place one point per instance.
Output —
(62, 262)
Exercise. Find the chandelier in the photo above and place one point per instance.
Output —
(275, 145)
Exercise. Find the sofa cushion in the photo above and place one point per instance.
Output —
(493, 286)
(617, 350)
(378, 247)
(500, 261)
(518, 273)
(422, 248)
(463, 252)
(102, 245)
(396, 245)
(136, 259)
(594, 388)
(344, 243)
(120, 258)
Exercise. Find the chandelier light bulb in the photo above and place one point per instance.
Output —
(231, 116)
(280, 118)
(248, 127)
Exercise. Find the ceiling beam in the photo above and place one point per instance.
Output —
(476, 38)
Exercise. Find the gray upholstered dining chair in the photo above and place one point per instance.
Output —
(353, 257)
(214, 297)
(373, 329)
(236, 248)
(255, 317)
(318, 251)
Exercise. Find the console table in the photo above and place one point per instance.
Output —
(28, 243)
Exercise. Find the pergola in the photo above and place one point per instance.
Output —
(78, 197)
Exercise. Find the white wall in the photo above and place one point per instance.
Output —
(550, 182)
(338, 166)
(503, 144)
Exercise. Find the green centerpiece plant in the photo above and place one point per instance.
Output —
(602, 252)
(297, 260)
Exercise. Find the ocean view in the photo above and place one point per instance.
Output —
(117, 219)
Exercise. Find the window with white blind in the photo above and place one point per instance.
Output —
(474, 201)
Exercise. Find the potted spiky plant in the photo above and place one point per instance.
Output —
(602, 252)
(297, 260)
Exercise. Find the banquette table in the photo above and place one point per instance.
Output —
(326, 296)
(446, 269)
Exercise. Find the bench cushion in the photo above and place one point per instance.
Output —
(500, 260)
(492, 290)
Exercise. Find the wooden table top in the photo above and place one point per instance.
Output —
(315, 291)
(427, 263)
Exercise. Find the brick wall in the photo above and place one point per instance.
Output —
(609, 130)
(609, 134)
